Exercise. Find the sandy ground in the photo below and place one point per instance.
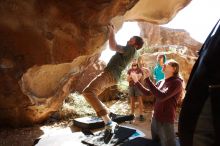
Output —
(62, 133)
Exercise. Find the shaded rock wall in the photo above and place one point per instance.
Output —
(38, 32)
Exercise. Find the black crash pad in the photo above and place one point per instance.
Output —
(95, 122)
(120, 135)
(86, 137)
(141, 141)
(88, 122)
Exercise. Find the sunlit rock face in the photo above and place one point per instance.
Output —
(155, 11)
(160, 38)
(45, 46)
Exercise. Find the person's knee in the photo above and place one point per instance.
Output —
(90, 89)
(87, 92)
(140, 99)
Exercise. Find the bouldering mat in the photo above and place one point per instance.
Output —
(88, 122)
(95, 122)
(141, 141)
(120, 135)
(86, 137)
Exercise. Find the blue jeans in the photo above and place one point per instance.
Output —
(164, 132)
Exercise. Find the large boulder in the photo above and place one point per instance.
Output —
(46, 45)
(155, 11)
(161, 38)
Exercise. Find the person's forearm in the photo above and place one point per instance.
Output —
(144, 90)
(129, 78)
(139, 76)
(112, 41)
(174, 88)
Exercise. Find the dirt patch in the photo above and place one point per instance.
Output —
(62, 121)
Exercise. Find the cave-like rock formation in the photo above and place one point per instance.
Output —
(46, 45)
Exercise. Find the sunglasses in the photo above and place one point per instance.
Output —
(134, 64)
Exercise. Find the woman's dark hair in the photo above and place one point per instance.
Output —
(139, 42)
(135, 64)
(161, 56)
(175, 65)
